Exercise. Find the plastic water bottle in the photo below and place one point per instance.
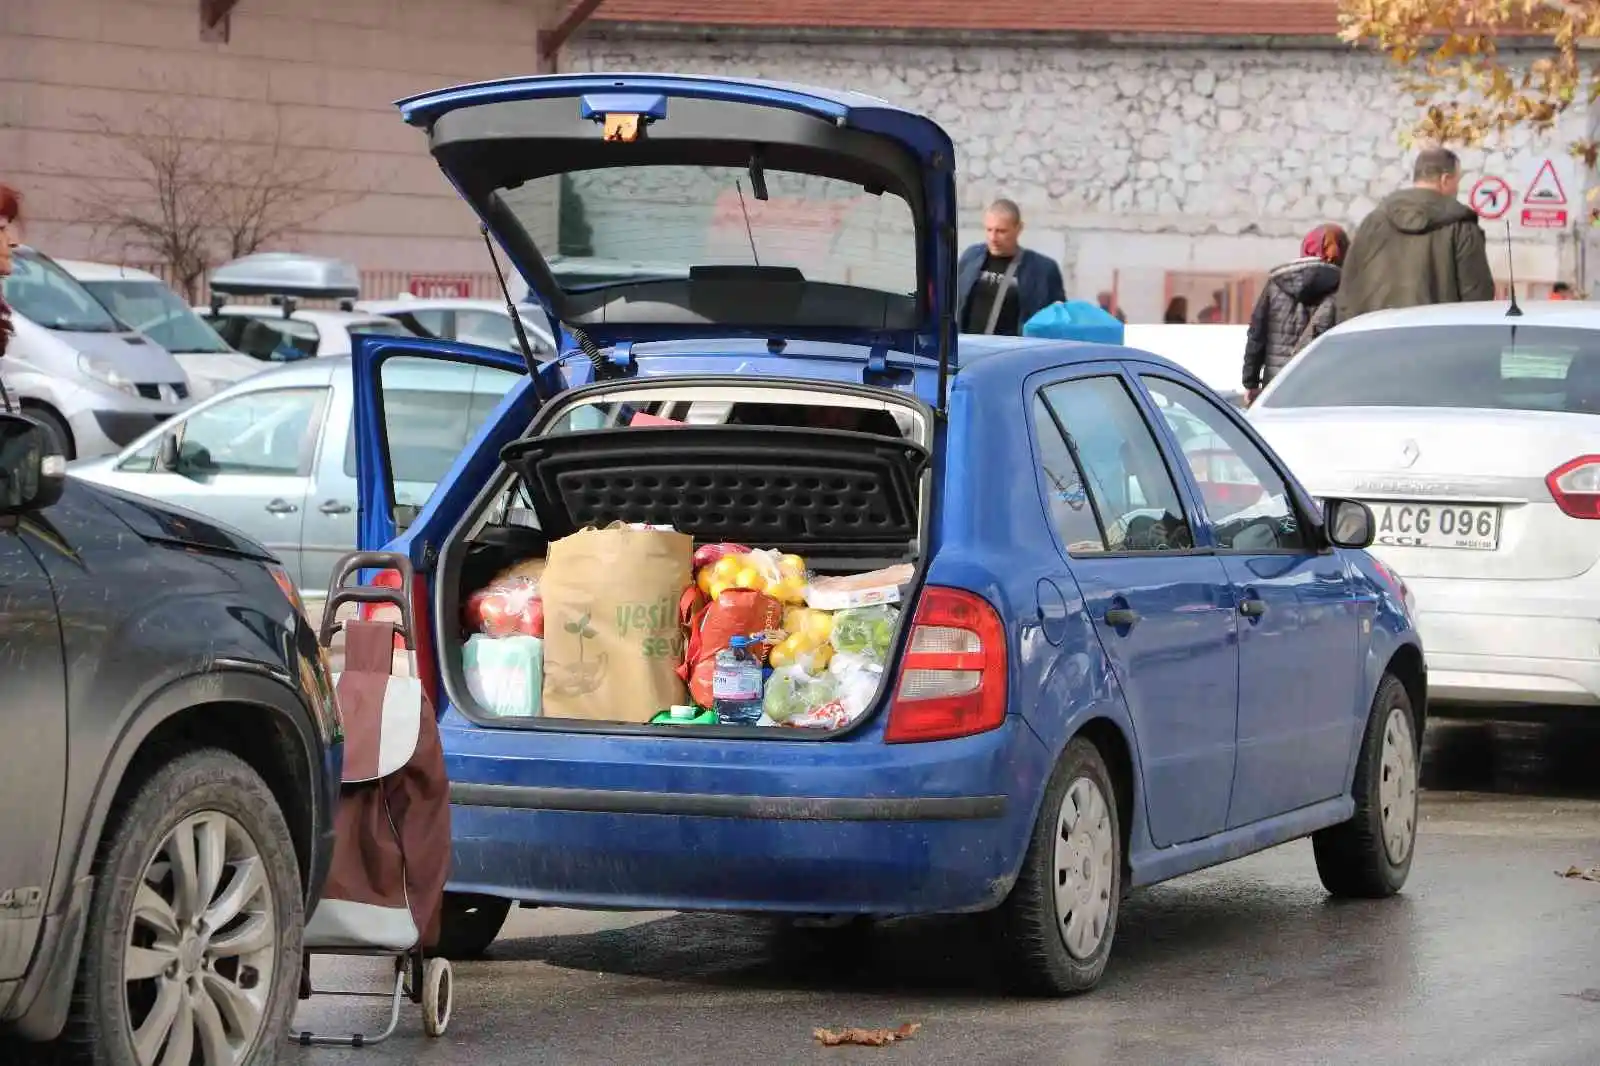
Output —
(736, 684)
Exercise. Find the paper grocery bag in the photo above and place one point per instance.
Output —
(612, 636)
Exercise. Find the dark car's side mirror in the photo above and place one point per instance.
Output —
(1349, 523)
(32, 470)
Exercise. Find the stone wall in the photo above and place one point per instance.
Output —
(1129, 163)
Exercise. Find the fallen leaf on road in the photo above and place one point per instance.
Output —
(1577, 872)
(865, 1037)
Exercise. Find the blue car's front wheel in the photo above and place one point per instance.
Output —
(1061, 916)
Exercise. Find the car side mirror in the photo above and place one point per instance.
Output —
(167, 454)
(1349, 523)
(33, 472)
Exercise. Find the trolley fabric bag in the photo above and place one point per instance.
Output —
(391, 855)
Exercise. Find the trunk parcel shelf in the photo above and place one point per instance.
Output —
(812, 490)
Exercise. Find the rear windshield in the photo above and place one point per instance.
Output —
(1495, 367)
(658, 221)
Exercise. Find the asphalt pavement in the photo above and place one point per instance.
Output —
(1488, 957)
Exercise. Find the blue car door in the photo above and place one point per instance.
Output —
(1162, 608)
(443, 453)
(1300, 697)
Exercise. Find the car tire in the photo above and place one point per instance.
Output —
(468, 924)
(1060, 918)
(227, 987)
(57, 427)
(1369, 856)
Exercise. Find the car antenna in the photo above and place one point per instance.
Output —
(748, 231)
(1511, 272)
(511, 309)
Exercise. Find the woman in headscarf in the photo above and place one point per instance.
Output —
(1295, 306)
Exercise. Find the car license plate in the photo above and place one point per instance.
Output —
(1475, 527)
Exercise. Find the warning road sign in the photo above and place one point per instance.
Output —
(1490, 197)
(1546, 190)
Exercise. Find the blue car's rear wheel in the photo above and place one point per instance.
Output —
(1061, 917)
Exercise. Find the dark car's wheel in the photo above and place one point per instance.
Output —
(1061, 916)
(468, 924)
(1369, 856)
(58, 428)
(192, 952)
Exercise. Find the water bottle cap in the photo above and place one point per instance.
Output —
(738, 642)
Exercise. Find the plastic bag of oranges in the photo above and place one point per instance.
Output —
(783, 577)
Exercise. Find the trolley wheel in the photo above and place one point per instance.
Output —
(438, 996)
(412, 966)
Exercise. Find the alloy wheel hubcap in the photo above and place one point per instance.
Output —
(1397, 786)
(1084, 854)
(201, 947)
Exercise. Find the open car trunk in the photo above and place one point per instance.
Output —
(848, 501)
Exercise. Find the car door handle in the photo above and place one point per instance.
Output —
(334, 507)
(282, 507)
(1252, 607)
(1122, 617)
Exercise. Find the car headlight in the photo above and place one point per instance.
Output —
(107, 374)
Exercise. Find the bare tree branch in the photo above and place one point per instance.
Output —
(194, 193)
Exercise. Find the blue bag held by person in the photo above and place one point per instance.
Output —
(1075, 320)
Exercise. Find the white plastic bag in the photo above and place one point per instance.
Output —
(505, 674)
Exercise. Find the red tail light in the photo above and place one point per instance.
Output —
(1575, 486)
(953, 677)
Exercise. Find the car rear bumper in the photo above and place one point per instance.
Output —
(1511, 642)
(810, 828)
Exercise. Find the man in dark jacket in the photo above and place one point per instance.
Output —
(999, 283)
(1419, 246)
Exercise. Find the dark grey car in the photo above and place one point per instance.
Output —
(171, 758)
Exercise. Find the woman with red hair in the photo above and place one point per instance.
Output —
(1295, 306)
(10, 207)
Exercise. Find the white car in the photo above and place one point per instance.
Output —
(149, 305)
(1474, 434)
(281, 331)
(278, 335)
(481, 322)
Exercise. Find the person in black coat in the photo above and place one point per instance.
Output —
(1295, 307)
(999, 283)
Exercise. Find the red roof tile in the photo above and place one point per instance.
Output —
(1218, 17)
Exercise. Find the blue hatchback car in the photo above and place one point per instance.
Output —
(1133, 646)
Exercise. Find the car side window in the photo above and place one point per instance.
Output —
(1246, 499)
(430, 323)
(268, 433)
(428, 427)
(487, 329)
(1128, 481)
(1066, 497)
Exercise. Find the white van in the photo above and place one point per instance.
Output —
(146, 303)
(77, 368)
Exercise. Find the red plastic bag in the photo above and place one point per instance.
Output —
(736, 613)
(506, 609)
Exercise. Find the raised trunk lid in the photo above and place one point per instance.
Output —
(1468, 461)
(498, 141)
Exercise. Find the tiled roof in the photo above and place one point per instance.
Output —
(1211, 17)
